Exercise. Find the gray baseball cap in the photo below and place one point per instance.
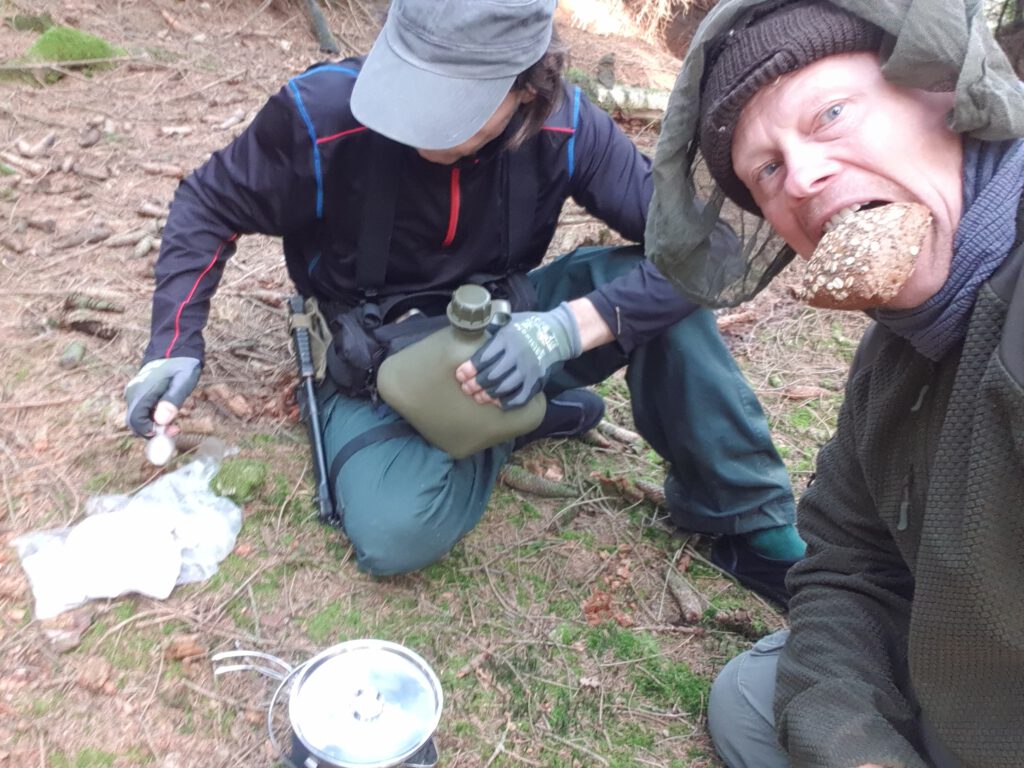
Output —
(440, 68)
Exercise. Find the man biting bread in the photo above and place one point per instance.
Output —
(879, 141)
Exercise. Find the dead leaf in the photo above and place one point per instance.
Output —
(554, 472)
(589, 682)
(94, 674)
(64, 632)
(235, 404)
(475, 663)
(244, 549)
(725, 322)
(547, 468)
(597, 607)
(184, 647)
(619, 485)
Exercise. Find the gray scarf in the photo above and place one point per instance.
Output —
(993, 181)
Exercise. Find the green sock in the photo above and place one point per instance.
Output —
(779, 543)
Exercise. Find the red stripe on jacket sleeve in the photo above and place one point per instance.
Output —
(195, 287)
(453, 216)
(334, 136)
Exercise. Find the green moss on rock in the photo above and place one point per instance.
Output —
(241, 480)
(68, 44)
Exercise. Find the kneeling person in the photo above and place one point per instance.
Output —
(449, 150)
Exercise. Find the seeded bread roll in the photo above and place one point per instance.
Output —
(864, 261)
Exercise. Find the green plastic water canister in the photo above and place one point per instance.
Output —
(419, 383)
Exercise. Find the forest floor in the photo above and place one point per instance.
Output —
(565, 631)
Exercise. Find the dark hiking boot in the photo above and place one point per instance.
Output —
(764, 575)
(733, 554)
(568, 414)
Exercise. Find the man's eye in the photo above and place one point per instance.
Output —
(767, 170)
(832, 113)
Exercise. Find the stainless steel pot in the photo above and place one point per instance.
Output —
(359, 704)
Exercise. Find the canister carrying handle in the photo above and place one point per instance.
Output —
(501, 313)
(284, 677)
(277, 674)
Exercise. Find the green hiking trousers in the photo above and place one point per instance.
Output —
(407, 503)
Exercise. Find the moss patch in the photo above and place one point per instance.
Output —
(60, 45)
(241, 480)
(68, 44)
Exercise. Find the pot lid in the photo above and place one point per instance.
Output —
(365, 704)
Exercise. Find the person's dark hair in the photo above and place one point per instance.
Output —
(544, 80)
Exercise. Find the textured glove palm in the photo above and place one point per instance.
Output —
(514, 364)
(172, 379)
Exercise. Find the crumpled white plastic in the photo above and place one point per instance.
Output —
(173, 531)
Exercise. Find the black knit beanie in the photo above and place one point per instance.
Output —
(771, 40)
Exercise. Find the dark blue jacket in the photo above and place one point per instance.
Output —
(300, 171)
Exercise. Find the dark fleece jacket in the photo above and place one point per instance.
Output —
(910, 602)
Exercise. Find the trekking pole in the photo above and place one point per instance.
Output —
(306, 392)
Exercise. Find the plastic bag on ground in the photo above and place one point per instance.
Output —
(173, 531)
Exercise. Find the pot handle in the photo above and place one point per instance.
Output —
(425, 758)
(277, 674)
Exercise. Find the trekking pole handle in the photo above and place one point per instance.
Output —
(303, 348)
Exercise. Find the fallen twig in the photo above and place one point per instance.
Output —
(96, 233)
(475, 663)
(691, 603)
(615, 432)
(37, 404)
(152, 210)
(163, 169)
(523, 480)
(632, 490)
(38, 149)
(29, 166)
(59, 65)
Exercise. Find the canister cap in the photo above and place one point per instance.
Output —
(470, 307)
(365, 704)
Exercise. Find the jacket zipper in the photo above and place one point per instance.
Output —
(904, 519)
(920, 458)
(453, 213)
